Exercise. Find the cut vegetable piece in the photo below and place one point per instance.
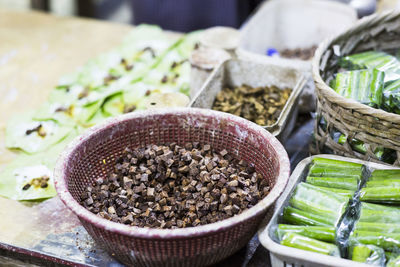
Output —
(326, 234)
(336, 182)
(33, 136)
(369, 254)
(296, 216)
(310, 244)
(384, 240)
(364, 86)
(387, 194)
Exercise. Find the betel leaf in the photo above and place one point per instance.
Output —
(33, 136)
(25, 168)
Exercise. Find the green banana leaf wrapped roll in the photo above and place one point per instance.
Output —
(373, 60)
(334, 182)
(323, 167)
(386, 241)
(315, 200)
(364, 86)
(393, 261)
(387, 194)
(369, 254)
(321, 233)
(384, 174)
(306, 243)
(391, 96)
(300, 217)
(378, 227)
(375, 213)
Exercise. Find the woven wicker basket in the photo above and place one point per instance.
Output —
(375, 127)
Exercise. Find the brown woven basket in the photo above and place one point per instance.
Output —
(375, 127)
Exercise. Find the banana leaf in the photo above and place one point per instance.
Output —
(310, 244)
(369, 254)
(326, 234)
(364, 86)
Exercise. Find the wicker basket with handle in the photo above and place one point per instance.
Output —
(374, 127)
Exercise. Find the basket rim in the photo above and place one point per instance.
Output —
(327, 92)
(138, 232)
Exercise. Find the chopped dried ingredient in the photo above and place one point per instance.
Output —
(175, 187)
(110, 78)
(164, 79)
(129, 108)
(151, 50)
(301, 53)
(39, 129)
(69, 111)
(127, 66)
(84, 93)
(261, 105)
(41, 182)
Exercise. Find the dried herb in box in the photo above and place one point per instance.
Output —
(261, 105)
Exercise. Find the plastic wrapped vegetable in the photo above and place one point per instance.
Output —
(373, 59)
(364, 86)
(317, 201)
(369, 254)
(323, 167)
(326, 234)
(384, 194)
(335, 182)
(393, 262)
(383, 240)
(382, 187)
(384, 174)
(375, 213)
(310, 244)
(300, 217)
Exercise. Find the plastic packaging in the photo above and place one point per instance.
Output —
(367, 233)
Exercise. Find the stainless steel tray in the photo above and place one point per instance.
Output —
(236, 72)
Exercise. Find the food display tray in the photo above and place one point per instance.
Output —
(283, 256)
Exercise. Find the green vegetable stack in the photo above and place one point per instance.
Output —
(318, 209)
(148, 65)
(317, 205)
(371, 78)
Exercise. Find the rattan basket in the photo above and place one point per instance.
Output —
(374, 127)
(94, 153)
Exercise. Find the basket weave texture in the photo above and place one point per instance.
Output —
(93, 155)
(375, 127)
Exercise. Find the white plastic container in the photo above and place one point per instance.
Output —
(283, 256)
(290, 24)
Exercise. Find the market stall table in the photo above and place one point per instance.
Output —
(36, 50)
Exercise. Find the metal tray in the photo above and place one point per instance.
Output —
(283, 256)
(236, 72)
